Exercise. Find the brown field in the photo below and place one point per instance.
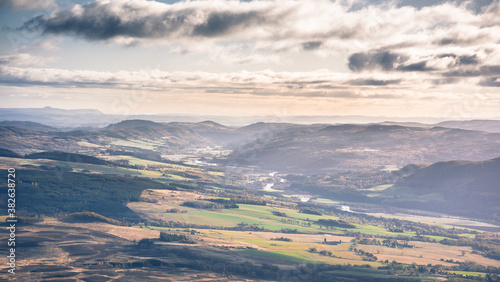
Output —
(426, 253)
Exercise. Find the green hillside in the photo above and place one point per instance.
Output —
(466, 188)
(46, 193)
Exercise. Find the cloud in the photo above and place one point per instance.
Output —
(104, 20)
(295, 84)
(490, 70)
(486, 70)
(298, 23)
(446, 80)
(384, 60)
(220, 23)
(23, 59)
(373, 82)
(420, 66)
(461, 59)
(28, 4)
(388, 44)
(460, 39)
(490, 82)
(311, 45)
(405, 93)
(447, 63)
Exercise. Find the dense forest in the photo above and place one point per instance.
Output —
(47, 193)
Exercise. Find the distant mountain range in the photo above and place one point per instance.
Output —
(469, 188)
(284, 147)
(62, 118)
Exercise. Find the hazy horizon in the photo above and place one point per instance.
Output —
(72, 118)
(253, 115)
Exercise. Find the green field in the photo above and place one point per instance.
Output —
(362, 274)
(297, 250)
(469, 273)
(172, 170)
(263, 217)
(277, 256)
(140, 144)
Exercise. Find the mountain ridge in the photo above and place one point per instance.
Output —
(459, 187)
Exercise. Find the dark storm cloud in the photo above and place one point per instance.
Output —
(391, 61)
(463, 73)
(311, 45)
(98, 24)
(420, 66)
(384, 60)
(461, 59)
(373, 82)
(219, 23)
(488, 70)
(101, 21)
(490, 82)
(468, 60)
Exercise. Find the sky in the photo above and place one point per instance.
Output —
(406, 58)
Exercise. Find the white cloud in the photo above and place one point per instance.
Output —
(29, 4)
(259, 28)
(266, 21)
(24, 59)
(321, 83)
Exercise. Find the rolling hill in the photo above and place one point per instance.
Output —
(215, 132)
(480, 125)
(129, 134)
(465, 188)
(329, 148)
(28, 125)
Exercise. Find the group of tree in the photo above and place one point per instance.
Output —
(209, 205)
(487, 248)
(285, 239)
(171, 237)
(86, 217)
(277, 213)
(175, 210)
(334, 223)
(365, 255)
(310, 211)
(60, 193)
